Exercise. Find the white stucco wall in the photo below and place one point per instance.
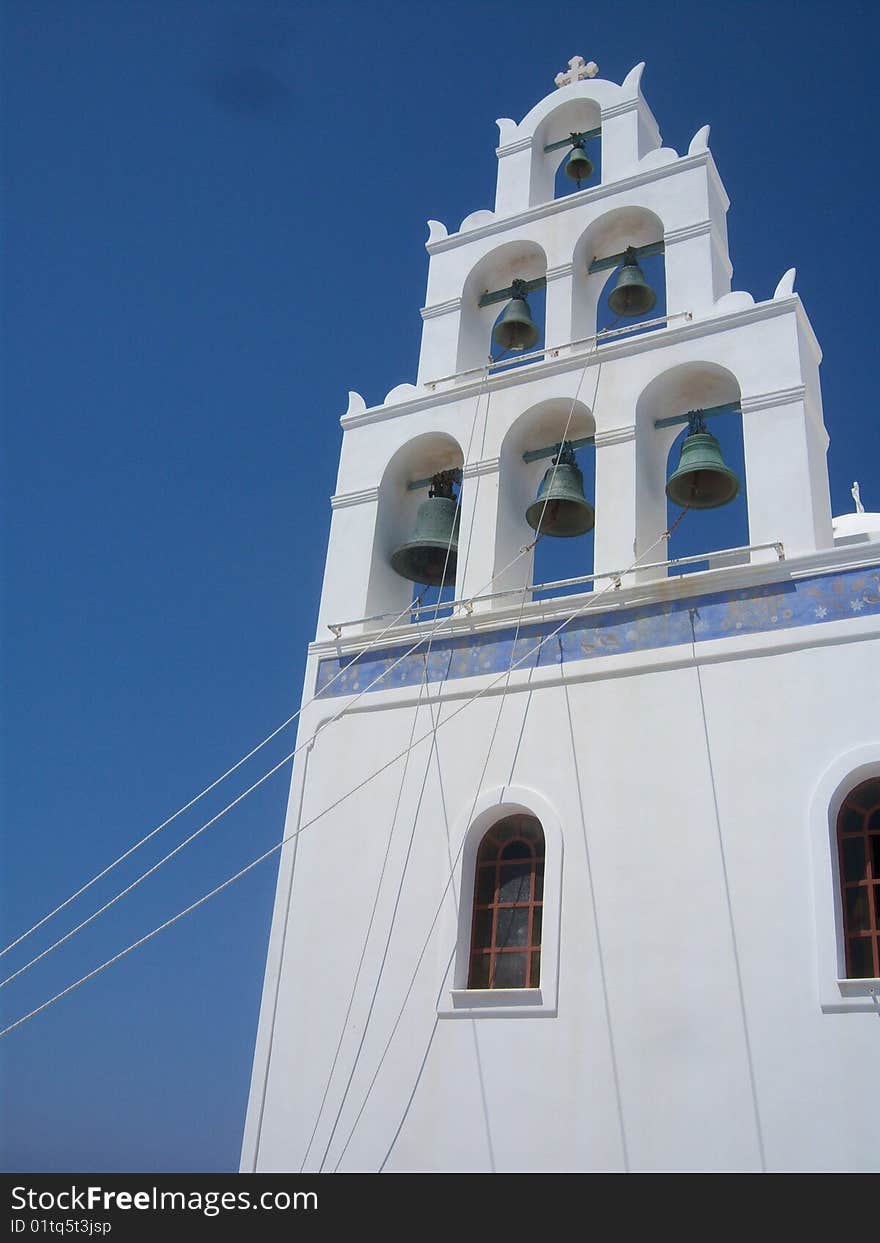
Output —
(689, 1018)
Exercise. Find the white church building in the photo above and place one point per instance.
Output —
(584, 877)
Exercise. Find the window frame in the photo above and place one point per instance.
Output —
(455, 999)
(837, 991)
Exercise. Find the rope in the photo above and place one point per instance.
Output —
(423, 683)
(665, 536)
(342, 798)
(186, 806)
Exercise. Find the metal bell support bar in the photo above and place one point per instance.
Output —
(560, 508)
(515, 330)
(701, 479)
(614, 261)
(573, 140)
(431, 555)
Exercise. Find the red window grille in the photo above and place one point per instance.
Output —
(858, 840)
(508, 906)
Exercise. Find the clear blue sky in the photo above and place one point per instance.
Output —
(214, 217)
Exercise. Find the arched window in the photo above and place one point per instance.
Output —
(858, 840)
(508, 906)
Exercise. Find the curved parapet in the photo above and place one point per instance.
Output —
(476, 219)
(655, 159)
(633, 80)
(785, 288)
(356, 404)
(400, 392)
(700, 141)
(737, 300)
(437, 231)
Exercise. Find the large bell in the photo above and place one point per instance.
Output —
(515, 329)
(579, 166)
(632, 295)
(560, 508)
(701, 480)
(434, 543)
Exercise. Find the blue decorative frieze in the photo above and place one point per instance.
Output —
(717, 615)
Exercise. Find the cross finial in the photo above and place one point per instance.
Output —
(856, 495)
(577, 69)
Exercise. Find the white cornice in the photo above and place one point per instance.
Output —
(570, 201)
(561, 270)
(615, 436)
(622, 348)
(700, 229)
(767, 401)
(488, 466)
(342, 500)
(441, 308)
(511, 148)
(621, 109)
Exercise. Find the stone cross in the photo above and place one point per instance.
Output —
(856, 495)
(577, 69)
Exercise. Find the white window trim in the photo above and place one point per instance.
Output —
(836, 992)
(456, 1000)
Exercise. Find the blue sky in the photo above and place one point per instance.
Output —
(214, 224)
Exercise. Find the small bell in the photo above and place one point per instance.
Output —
(579, 166)
(632, 295)
(433, 548)
(701, 480)
(516, 329)
(560, 508)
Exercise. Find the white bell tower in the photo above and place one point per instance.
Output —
(664, 757)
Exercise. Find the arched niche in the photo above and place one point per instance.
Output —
(419, 458)
(609, 235)
(540, 425)
(523, 260)
(689, 386)
(572, 116)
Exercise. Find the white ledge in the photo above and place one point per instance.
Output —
(441, 308)
(454, 389)
(495, 1003)
(568, 202)
(343, 499)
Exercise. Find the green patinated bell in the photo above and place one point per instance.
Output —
(701, 480)
(632, 295)
(516, 329)
(560, 508)
(579, 166)
(434, 545)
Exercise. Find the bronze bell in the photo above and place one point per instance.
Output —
(632, 295)
(516, 329)
(579, 166)
(560, 508)
(434, 544)
(701, 480)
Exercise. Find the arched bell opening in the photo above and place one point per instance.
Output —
(416, 534)
(553, 505)
(488, 294)
(706, 485)
(548, 177)
(603, 266)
